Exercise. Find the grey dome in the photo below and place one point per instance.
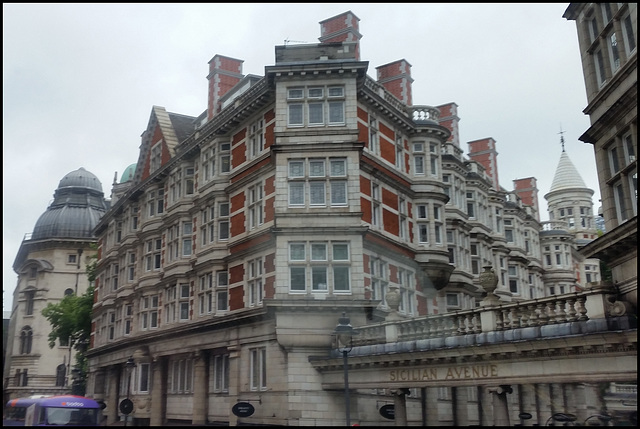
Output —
(77, 207)
(566, 177)
(81, 178)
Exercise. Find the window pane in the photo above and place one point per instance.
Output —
(296, 168)
(296, 193)
(295, 114)
(340, 252)
(319, 279)
(336, 112)
(338, 192)
(318, 252)
(295, 93)
(298, 279)
(338, 167)
(317, 193)
(316, 113)
(297, 252)
(336, 91)
(341, 278)
(316, 168)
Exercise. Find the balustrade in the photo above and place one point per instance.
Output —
(524, 314)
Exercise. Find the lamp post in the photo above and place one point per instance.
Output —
(129, 366)
(344, 333)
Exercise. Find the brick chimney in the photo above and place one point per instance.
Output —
(224, 74)
(527, 190)
(484, 152)
(341, 28)
(449, 119)
(396, 78)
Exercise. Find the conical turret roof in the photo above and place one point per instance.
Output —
(566, 176)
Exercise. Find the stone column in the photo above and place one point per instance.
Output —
(432, 406)
(500, 405)
(460, 397)
(158, 392)
(113, 378)
(200, 389)
(400, 407)
(485, 402)
(234, 381)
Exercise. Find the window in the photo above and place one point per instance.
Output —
(374, 147)
(207, 228)
(149, 312)
(223, 221)
(255, 206)
(258, 368)
(406, 288)
(599, 64)
(220, 373)
(621, 205)
(155, 202)
(131, 266)
(256, 138)
(627, 34)
(26, 340)
(225, 157)
(155, 157)
(399, 151)
(606, 12)
(208, 160)
(471, 205)
(205, 297)
(438, 223)
(128, 319)
(402, 219)
(422, 223)
(629, 150)
(434, 159)
(593, 29)
(614, 55)
(254, 270)
(222, 291)
(143, 372)
(376, 206)
(134, 218)
(321, 180)
(183, 303)
(324, 106)
(379, 280)
(453, 300)
(418, 158)
(498, 220)
(180, 376)
(153, 254)
(115, 269)
(29, 297)
(513, 278)
(325, 264)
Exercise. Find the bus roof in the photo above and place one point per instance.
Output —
(55, 401)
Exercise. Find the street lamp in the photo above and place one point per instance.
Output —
(129, 366)
(344, 333)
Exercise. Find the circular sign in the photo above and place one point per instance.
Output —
(126, 406)
(388, 411)
(243, 409)
(564, 417)
(525, 416)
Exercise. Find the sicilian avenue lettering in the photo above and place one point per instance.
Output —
(450, 373)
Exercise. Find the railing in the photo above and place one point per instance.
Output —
(424, 113)
(594, 303)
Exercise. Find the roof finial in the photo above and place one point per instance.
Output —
(561, 137)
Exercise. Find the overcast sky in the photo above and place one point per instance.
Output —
(80, 80)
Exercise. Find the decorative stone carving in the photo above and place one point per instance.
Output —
(393, 298)
(489, 281)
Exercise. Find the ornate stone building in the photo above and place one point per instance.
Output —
(241, 235)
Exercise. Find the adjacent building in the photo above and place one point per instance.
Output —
(607, 37)
(239, 235)
(50, 264)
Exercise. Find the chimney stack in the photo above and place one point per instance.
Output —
(341, 28)
(527, 190)
(484, 152)
(449, 119)
(396, 78)
(224, 74)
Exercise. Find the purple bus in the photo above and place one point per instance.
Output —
(59, 410)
